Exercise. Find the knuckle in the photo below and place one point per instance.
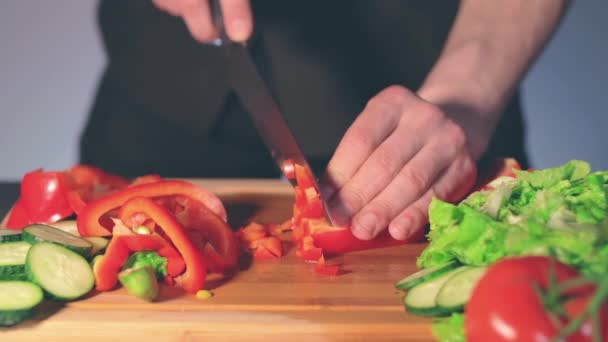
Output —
(189, 4)
(396, 93)
(456, 134)
(431, 114)
(353, 199)
(418, 179)
(386, 160)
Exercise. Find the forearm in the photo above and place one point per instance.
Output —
(490, 48)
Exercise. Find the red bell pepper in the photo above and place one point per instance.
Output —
(49, 196)
(268, 248)
(43, 196)
(194, 277)
(18, 218)
(122, 246)
(88, 220)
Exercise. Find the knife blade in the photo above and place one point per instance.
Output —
(248, 84)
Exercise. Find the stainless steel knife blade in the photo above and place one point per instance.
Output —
(253, 93)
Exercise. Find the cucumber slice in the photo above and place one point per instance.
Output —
(455, 293)
(38, 233)
(68, 226)
(12, 260)
(421, 299)
(424, 275)
(9, 235)
(18, 301)
(99, 244)
(60, 272)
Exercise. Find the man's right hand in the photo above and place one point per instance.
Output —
(238, 19)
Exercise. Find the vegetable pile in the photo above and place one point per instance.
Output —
(82, 229)
(523, 258)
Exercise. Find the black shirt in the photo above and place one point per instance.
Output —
(163, 104)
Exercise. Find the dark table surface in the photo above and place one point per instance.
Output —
(8, 195)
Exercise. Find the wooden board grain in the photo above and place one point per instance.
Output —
(267, 300)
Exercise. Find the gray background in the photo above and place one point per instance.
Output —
(51, 58)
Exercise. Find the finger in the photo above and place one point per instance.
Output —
(387, 160)
(238, 19)
(412, 182)
(452, 185)
(197, 16)
(375, 123)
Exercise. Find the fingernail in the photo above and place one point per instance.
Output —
(365, 226)
(239, 30)
(401, 228)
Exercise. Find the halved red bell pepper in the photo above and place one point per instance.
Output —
(18, 218)
(88, 220)
(43, 196)
(121, 247)
(194, 277)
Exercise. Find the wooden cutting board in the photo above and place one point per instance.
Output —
(267, 300)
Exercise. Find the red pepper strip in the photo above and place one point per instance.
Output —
(197, 217)
(43, 196)
(194, 277)
(88, 219)
(343, 241)
(118, 251)
(91, 183)
(18, 218)
(146, 179)
(90, 176)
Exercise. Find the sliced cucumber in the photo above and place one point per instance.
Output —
(425, 275)
(18, 301)
(68, 226)
(455, 293)
(39, 233)
(60, 272)
(421, 299)
(7, 235)
(12, 260)
(99, 244)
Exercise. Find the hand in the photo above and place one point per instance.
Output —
(399, 153)
(238, 19)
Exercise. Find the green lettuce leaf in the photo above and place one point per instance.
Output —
(449, 329)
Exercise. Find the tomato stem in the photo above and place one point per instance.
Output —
(592, 310)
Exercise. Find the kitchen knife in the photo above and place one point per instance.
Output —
(251, 89)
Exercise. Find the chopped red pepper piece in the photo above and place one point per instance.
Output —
(88, 220)
(327, 270)
(194, 277)
(122, 246)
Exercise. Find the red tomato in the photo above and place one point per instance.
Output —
(575, 307)
(505, 306)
